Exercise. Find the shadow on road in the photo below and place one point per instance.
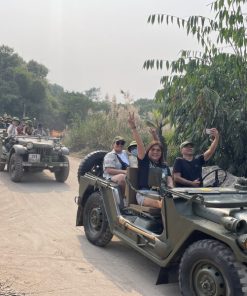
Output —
(34, 182)
(126, 268)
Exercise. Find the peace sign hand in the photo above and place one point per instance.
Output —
(131, 120)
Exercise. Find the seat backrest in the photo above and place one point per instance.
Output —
(154, 180)
(132, 176)
(154, 177)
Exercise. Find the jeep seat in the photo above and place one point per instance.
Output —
(132, 176)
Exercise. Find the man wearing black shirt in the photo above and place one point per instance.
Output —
(187, 170)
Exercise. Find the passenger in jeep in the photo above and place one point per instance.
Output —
(132, 148)
(39, 131)
(28, 129)
(151, 157)
(12, 129)
(116, 162)
(187, 170)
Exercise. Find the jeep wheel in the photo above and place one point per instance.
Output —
(62, 173)
(2, 165)
(15, 168)
(92, 163)
(95, 221)
(209, 267)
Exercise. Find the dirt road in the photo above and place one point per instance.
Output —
(43, 253)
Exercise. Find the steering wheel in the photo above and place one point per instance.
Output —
(219, 177)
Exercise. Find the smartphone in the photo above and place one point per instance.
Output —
(208, 131)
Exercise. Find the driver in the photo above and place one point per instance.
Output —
(187, 170)
(39, 131)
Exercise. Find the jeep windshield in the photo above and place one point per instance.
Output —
(34, 139)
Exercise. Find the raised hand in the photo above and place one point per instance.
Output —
(131, 120)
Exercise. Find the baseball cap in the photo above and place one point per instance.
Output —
(118, 138)
(15, 119)
(133, 143)
(185, 143)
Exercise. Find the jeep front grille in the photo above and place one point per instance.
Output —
(46, 154)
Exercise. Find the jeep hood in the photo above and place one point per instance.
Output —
(37, 142)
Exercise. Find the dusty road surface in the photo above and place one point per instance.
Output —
(43, 253)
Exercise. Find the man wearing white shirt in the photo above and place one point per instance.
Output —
(12, 129)
(116, 163)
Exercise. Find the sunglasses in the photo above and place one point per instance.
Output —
(120, 143)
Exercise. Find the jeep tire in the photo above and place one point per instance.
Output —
(95, 222)
(62, 173)
(208, 267)
(16, 168)
(2, 164)
(92, 163)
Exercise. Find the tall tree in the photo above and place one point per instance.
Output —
(209, 88)
(39, 70)
(93, 93)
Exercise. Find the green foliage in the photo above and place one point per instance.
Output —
(24, 90)
(99, 129)
(209, 88)
(93, 93)
(91, 122)
(173, 147)
(145, 106)
(38, 70)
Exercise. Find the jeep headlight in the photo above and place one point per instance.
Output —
(29, 145)
(65, 151)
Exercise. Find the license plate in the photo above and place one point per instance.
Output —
(34, 157)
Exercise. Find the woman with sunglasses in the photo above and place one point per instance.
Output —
(116, 162)
(148, 158)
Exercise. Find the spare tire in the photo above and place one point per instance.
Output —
(92, 163)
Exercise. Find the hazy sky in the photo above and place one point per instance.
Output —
(97, 43)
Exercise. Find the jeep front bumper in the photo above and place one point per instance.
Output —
(45, 164)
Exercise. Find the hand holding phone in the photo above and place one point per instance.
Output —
(208, 131)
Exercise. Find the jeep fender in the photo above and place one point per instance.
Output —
(18, 149)
(81, 200)
(87, 186)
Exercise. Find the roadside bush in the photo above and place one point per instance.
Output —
(98, 130)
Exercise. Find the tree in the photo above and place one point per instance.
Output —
(209, 88)
(9, 91)
(38, 70)
(23, 80)
(93, 93)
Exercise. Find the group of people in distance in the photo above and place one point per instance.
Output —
(24, 127)
(187, 170)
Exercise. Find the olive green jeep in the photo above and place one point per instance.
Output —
(22, 154)
(198, 237)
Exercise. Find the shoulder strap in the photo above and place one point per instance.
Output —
(124, 164)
